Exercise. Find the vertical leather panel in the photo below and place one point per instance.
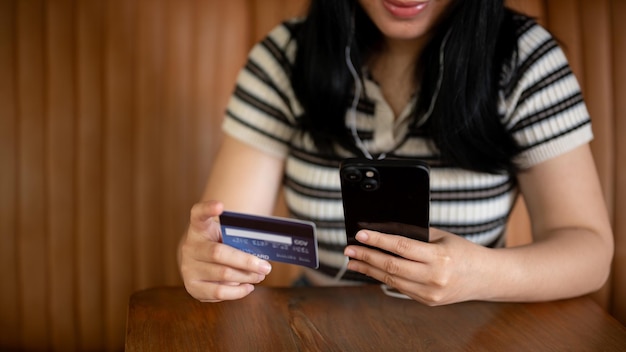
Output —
(119, 164)
(209, 99)
(563, 17)
(177, 77)
(89, 175)
(149, 59)
(32, 215)
(10, 293)
(618, 42)
(222, 41)
(60, 166)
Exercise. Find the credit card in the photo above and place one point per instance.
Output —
(271, 238)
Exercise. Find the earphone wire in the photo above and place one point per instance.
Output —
(433, 100)
(358, 87)
(355, 101)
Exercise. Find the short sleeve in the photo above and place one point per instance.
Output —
(542, 103)
(262, 109)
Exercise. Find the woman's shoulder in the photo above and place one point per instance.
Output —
(537, 53)
(531, 35)
(279, 44)
(285, 32)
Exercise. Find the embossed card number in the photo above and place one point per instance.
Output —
(271, 238)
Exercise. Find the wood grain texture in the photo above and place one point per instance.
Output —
(362, 319)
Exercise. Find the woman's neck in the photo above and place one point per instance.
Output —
(394, 68)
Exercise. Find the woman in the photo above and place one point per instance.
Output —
(482, 94)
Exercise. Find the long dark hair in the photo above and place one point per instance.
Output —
(464, 124)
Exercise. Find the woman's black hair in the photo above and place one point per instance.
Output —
(464, 125)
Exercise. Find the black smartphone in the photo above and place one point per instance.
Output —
(389, 195)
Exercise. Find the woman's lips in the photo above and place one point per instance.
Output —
(404, 9)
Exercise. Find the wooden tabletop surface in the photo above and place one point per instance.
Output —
(362, 319)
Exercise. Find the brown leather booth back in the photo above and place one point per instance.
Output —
(109, 120)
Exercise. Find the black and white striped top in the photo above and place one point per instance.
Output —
(542, 108)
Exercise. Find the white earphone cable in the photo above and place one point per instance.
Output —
(358, 88)
(355, 101)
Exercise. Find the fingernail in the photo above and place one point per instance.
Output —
(361, 236)
(349, 252)
(265, 267)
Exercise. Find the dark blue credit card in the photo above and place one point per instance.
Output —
(271, 238)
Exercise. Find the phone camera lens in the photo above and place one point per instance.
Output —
(352, 174)
(369, 184)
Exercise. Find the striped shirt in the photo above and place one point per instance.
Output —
(541, 106)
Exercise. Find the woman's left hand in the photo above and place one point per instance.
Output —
(445, 270)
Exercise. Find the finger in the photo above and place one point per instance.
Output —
(373, 262)
(379, 274)
(402, 246)
(239, 259)
(202, 212)
(215, 292)
(222, 254)
(223, 273)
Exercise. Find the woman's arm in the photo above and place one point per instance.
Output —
(572, 245)
(245, 179)
(242, 179)
(570, 256)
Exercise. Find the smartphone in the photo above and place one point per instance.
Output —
(389, 195)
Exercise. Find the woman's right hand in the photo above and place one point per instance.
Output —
(213, 271)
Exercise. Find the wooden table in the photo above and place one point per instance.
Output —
(362, 319)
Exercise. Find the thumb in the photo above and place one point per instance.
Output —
(204, 217)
